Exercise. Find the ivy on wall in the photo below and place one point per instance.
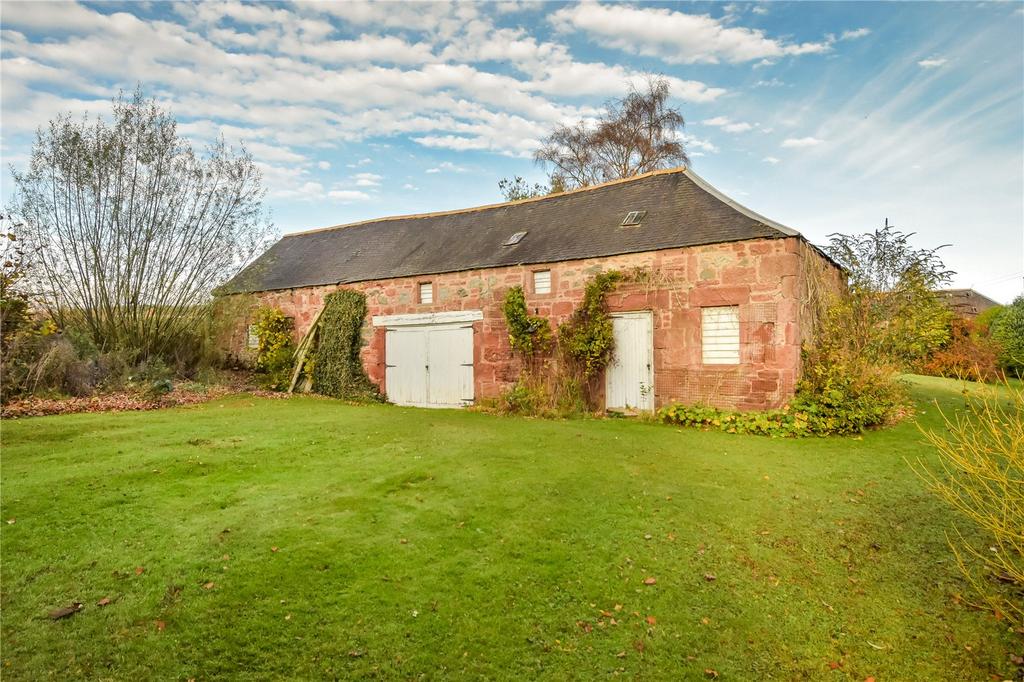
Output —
(586, 338)
(527, 334)
(337, 369)
(559, 384)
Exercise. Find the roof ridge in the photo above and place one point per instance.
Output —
(473, 209)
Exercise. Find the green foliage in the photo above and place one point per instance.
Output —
(983, 321)
(274, 348)
(337, 369)
(527, 334)
(586, 338)
(892, 313)
(1008, 330)
(838, 410)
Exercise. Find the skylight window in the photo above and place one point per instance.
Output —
(514, 239)
(633, 218)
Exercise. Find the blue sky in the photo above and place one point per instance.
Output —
(824, 116)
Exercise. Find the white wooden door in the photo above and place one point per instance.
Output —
(629, 378)
(405, 351)
(430, 366)
(450, 366)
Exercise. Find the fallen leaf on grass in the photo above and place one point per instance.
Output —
(869, 679)
(208, 586)
(160, 625)
(139, 570)
(587, 627)
(273, 549)
(713, 674)
(355, 654)
(57, 614)
(103, 602)
(621, 654)
(650, 581)
(834, 665)
(710, 577)
(639, 645)
(11, 521)
(651, 620)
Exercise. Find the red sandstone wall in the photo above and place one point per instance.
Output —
(763, 277)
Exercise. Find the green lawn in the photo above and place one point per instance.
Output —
(456, 544)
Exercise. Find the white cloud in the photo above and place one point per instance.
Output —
(798, 142)
(433, 170)
(692, 142)
(760, 9)
(347, 196)
(771, 159)
(360, 162)
(410, 187)
(728, 125)
(932, 63)
(770, 83)
(323, 165)
(676, 37)
(855, 33)
(367, 179)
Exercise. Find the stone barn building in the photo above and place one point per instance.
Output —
(715, 310)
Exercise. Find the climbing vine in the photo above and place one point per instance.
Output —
(274, 347)
(586, 338)
(527, 334)
(560, 383)
(337, 369)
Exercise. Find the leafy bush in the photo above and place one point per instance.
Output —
(274, 348)
(983, 322)
(840, 411)
(1008, 330)
(527, 334)
(586, 338)
(970, 355)
(336, 366)
(981, 476)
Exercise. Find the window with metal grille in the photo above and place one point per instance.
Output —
(720, 335)
(426, 292)
(542, 282)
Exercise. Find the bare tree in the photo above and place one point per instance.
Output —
(636, 134)
(134, 229)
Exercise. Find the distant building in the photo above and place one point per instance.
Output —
(966, 302)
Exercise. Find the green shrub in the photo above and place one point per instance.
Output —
(586, 338)
(1008, 330)
(274, 348)
(527, 334)
(336, 366)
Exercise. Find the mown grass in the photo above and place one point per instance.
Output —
(450, 544)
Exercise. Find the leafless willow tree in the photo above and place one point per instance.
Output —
(636, 134)
(134, 229)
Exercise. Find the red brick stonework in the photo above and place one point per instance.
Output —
(766, 278)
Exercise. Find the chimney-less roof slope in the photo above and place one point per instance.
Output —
(681, 210)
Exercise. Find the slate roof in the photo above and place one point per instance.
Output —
(682, 210)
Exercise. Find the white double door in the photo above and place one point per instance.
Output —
(430, 365)
(629, 377)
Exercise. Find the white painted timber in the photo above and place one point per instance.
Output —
(629, 378)
(430, 365)
(427, 318)
(542, 282)
(720, 335)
